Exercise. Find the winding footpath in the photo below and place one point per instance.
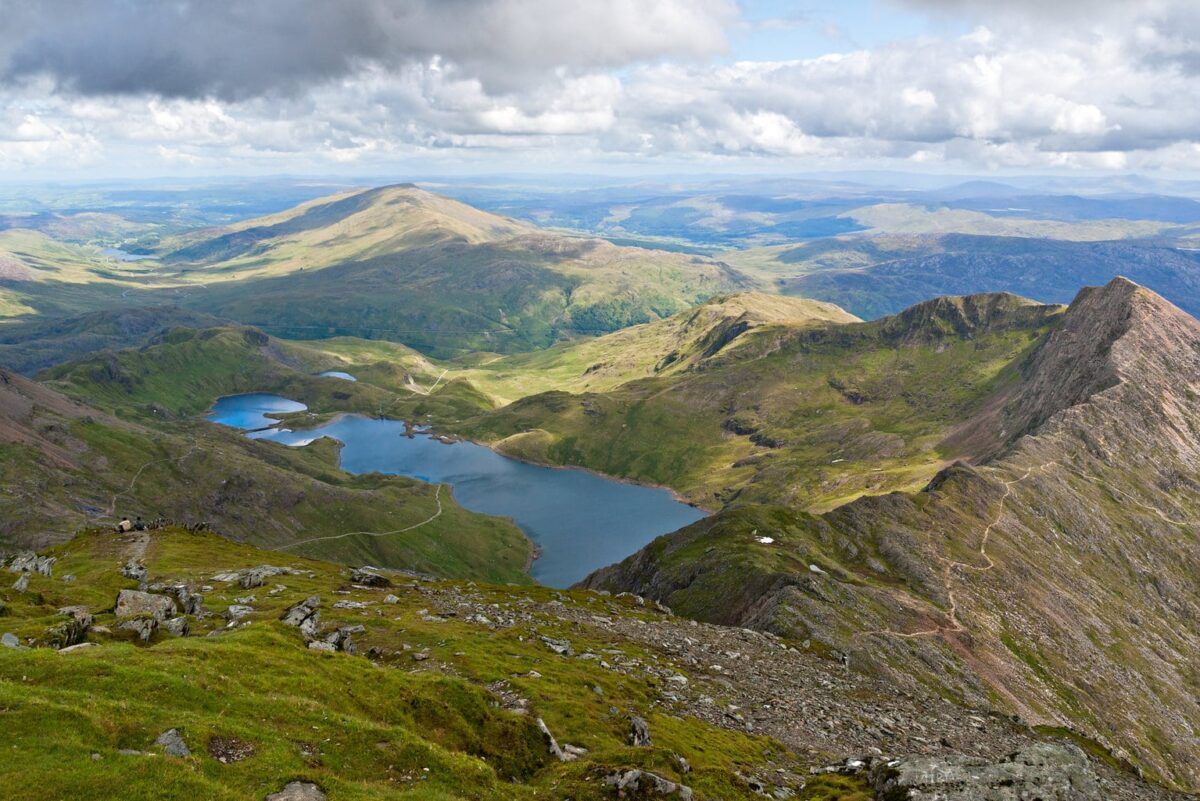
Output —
(437, 497)
(112, 504)
(948, 566)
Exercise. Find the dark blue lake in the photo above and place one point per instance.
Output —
(581, 520)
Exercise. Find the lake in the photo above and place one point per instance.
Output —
(121, 255)
(581, 520)
(337, 374)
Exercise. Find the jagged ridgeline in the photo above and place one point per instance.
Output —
(1051, 572)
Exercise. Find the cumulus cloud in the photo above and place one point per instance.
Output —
(294, 84)
(197, 48)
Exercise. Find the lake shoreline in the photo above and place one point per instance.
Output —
(574, 524)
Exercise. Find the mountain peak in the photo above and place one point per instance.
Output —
(1119, 333)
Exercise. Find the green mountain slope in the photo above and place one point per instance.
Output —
(437, 690)
(65, 465)
(810, 413)
(1053, 577)
(403, 264)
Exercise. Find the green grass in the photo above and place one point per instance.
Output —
(362, 729)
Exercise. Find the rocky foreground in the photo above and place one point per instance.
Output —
(294, 680)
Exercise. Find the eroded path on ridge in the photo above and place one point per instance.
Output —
(953, 625)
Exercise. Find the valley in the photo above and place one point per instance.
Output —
(950, 503)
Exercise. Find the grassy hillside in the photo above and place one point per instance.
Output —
(810, 414)
(418, 713)
(442, 690)
(65, 465)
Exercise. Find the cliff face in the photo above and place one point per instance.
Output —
(1054, 576)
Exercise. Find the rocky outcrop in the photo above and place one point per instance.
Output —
(644, 784)
(30, 562)
(1034, 576)
(298, 791)
(133, 603)
(1045, 771)
(305, 616)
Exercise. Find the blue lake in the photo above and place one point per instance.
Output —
(581, 520)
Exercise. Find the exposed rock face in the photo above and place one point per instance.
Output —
(1054, 574)
(172, 744)
(142, 627)
(298, 791)
(1044, 771)
(368, 578)
(642, 784)
(32, 563)
(132, 603)
(305, 616)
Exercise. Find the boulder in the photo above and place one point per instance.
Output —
(190, 603)
(257, 576)
(143, 627)
(368, 578)
(305, 616)
(172, 743)
(83, 646)
(643, 783)
(9, 640)
(237, 611)
(131, 603)
(342, 639)
(30, 562)
(178, 626)
(298, 791)
(134, 571)
(1047, 771)
(22, 584)
(639, 731)
(81, 614)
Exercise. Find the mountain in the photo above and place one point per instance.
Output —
(876, 275)
(191, 666)
(33, 345)
(1050, 572)
(810, 411)
(406, 265)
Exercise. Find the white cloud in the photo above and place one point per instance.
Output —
(1094, 86)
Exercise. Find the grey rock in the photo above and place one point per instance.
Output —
(639, 731)
(342, 639)
(178, 626)
(237, 611)
(305, 616)
(321, 645)
(22, 584)
(83, 646)
(81, 614)
(134, 602)
(391, 599)
(72, 632)
(368, 578)
(143, 627)
(1047, 771)
(172, 743)
(350, 605)
(552, 744)
(30, 562)
(134, 571)
(644, 783)
(257, 576)
(298, 791)
(560, 647)
(9, 640)
(190, 603)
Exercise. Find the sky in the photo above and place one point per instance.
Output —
(140, 88)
